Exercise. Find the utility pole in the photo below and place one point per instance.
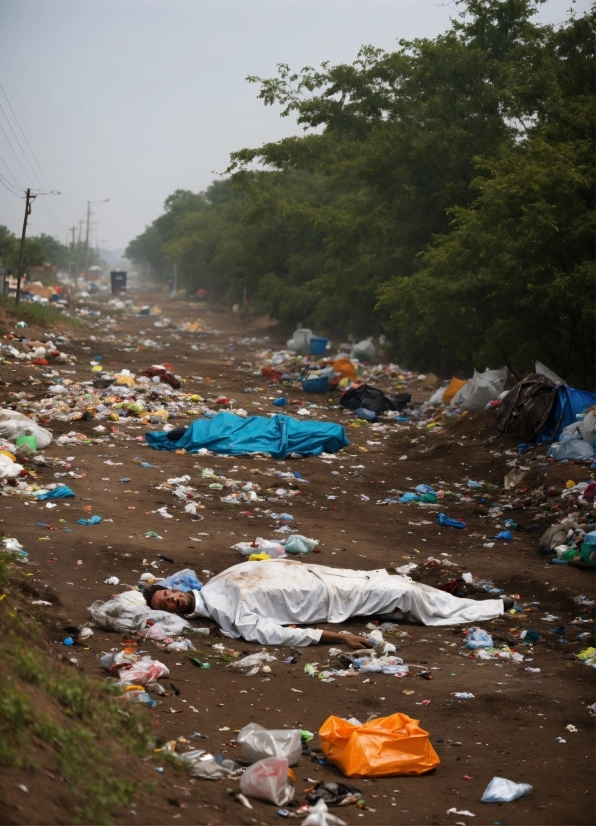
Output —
(105, 200)
(175, 277)
(28, 201)
(74, 258)
(87, 237)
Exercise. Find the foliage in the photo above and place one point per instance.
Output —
(33, 253)
(42, 315)
(77, 720)
(440, 194)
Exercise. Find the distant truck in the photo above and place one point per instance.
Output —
(118, 278)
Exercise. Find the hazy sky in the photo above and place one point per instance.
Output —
(132, 99)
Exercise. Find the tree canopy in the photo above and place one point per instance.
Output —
(441, 193)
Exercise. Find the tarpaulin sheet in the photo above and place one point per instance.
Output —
(236, 436)
(568, 402)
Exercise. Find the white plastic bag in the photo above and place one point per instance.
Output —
(318, 815)
(13, 424)
(300, 341)
(128, 612)
(363, 350)
(253, 662)
(257, 743)
(501, 790)
(259, 546)
(8, 468)
(482, 388)
(268, 780)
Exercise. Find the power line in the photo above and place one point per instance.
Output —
(16, 156)
(5, 184)
(24, 135)
(16, 137)
(50, 212)
(16, 183)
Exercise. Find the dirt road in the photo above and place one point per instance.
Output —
(510, 727)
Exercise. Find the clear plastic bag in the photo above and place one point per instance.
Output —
(501, 790)
(143, 671)
(297, 544)
(268, 780)
(181, 645)
(479, 638)
(257, 743)
(207, 767)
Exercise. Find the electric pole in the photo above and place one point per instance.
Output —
(175, 278)
(87, 238)
(28, 201)
(74, 265)
(105, 200)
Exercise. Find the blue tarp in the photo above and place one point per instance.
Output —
(568, 402)
(236, 436)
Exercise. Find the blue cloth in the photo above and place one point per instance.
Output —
(61, 492)
(568, 402)
(278, 435)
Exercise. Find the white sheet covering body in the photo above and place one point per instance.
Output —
(258, 600)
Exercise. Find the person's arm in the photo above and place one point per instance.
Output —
(352, 640)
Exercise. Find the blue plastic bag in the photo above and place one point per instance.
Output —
(507, 536)
(448, 522)
(95, 520)
(479, 638)
(61, 492)
(185, 580)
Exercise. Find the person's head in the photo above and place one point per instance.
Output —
(168, 599)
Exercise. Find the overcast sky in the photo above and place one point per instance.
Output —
(132, 99)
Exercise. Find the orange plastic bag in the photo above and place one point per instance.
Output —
(345, 368)
(451, 389)
(381, 748)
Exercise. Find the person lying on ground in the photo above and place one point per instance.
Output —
(264, 601)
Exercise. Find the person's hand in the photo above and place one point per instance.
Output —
(354, 641)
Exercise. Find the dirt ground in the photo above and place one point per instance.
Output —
(509, 729)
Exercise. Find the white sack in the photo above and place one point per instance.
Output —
(13, 424)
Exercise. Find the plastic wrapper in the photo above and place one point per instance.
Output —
(501, 790)
(257, 743)
(387, 746)
(268, 780)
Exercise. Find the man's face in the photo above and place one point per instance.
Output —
(176, 602)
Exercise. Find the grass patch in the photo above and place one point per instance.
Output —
(39, 314)
(51, 711)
